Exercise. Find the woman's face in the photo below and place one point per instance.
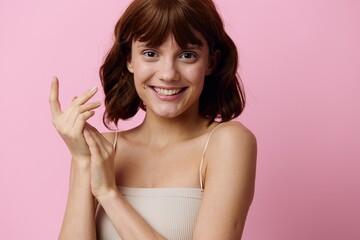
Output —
(169, 79)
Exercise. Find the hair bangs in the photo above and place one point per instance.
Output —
(162, 18)
(187, 21)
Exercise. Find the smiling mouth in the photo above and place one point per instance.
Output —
(168, 92)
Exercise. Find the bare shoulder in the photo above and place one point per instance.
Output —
(233, 135)
(230, 167)
(231, 154)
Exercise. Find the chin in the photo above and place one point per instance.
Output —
(167, 113)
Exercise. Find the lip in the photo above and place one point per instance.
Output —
(165, 87)
(168, 97)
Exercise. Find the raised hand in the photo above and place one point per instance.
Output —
(102, 162)
(71, 123)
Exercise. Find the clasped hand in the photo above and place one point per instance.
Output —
(90, 150)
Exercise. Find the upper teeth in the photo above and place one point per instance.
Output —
(167, 92)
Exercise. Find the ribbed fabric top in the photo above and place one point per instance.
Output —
(172, 212)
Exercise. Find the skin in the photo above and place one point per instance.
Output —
(168, 144)
(169, 67)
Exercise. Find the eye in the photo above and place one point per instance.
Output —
(149, 54)
(188, 55)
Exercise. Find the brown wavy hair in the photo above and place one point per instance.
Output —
(151, 21)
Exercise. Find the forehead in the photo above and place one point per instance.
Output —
(171, 40)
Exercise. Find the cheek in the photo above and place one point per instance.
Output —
(142, 72)
(196, 74)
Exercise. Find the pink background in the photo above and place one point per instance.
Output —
(300, 62)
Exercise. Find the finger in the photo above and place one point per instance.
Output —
(98, 134)
(105, 148)
(97, 138)
(55, 106)
(93, 147)
(89, 106)
(73, 113)
(81, 119)
(85, 96)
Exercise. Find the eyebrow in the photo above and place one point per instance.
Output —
(188, 47)
(142, 44)
(193, 46)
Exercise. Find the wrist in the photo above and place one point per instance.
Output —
(81, 163)
(107, 198)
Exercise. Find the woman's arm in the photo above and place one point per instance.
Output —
(127, 222)
(230, 164)
(228, 193)
(79, 218)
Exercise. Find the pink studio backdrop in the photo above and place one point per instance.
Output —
(299, 60)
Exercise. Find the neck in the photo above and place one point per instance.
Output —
(161, 132)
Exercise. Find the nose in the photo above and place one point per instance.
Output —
(169, 71)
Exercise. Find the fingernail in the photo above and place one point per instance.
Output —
(93, 89)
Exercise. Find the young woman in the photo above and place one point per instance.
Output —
(187, 171)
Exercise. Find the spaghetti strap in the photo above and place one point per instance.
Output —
(203, 154)
(115, 140)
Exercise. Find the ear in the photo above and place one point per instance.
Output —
(214, 58)
(130, 66)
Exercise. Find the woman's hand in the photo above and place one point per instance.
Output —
(71, 123)
(102, 163)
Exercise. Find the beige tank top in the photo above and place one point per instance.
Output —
(172, 212)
